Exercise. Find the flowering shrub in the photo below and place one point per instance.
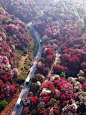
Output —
(58, 69)
(57, 27)
(83, 65)
(17, 21)
(84, 87)
(49, 58)
(57, 94)
(38, 77)
(41, 106)
(49, 86)
(45, 38)
(55, 112)
(48, 51)
(34, 99)
(26, 11)
(11, 28)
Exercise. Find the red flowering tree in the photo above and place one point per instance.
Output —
(74, 62)
(49, 58)
(48, 51)
(56, 112)
(83, 66)
(58, 69)
(33, 100)
(49, 86)
(11, 28)
(84, 87)
(42, 112)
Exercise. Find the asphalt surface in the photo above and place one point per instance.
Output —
(17, 110)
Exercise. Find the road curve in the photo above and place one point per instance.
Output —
(17, 110)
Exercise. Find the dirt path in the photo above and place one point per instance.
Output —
(22, 63)
(10, 105)
(57, 61)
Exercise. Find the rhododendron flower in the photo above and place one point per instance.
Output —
(27, 40)
(28, 93)
(46, 99)
(84, 69)
(42, 112)
(49, 58)
(12, 89)
(57, 94)
(42, 95)
(63, 97)
(48, 51)
(2, 90)
(11, 28)
(58, 68)
(84, 86)
(49, 86)
(34, 99)
(56, 82)
(56, 112)
(15, 71)
(3, 96)
(79, 55)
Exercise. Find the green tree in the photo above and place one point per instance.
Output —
(62, 74)
(3, 104)
(26, 51)
(53, 100)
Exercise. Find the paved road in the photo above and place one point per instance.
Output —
(17, 110)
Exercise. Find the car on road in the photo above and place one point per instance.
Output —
(40, 41)
(18, 101)
(27, 79)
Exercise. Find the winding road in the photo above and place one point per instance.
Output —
(17, 109)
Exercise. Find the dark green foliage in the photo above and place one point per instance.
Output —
(34, 79)
(46, 71)
(3, 104)
(26, 51)
(81, 109)
(53, 100)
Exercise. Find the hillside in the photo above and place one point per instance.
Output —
(59, 84)
(16, 47)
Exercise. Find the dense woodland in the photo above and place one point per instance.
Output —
(62, 27)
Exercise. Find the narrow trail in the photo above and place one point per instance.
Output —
(50, 72)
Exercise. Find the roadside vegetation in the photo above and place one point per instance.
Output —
(62, 27)
(16, 55)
